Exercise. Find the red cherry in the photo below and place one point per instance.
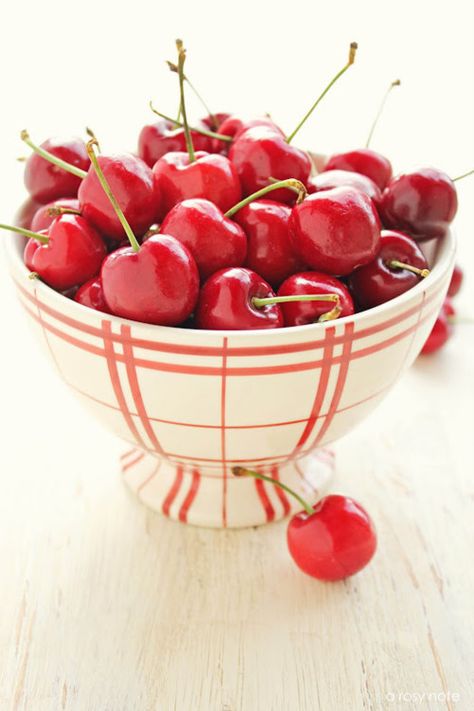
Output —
(300, 313)
(335, 541)
(383, 279)
(364, 161)
(91, 294)
(234, 126)
(72, 254)
(163, 137)
(330, 179)
(441, 331)
(214, 121)
(262, 152)
(456, 281)
(46, 182)
(42, 218)
(336, 231)
(209, 176)
(134, 187)
(214, 241)
(227, 302)
(422, 203)
(157, 284)
(269, 252)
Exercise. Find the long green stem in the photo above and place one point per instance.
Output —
(395, 264)
(196, 129)
(242, 471)
(335, 312)
(25, 137)
(108, 191)
(397, 82)
(27, 233)
(174, 68)
(464, 175)
(291, 183)
(352, 53)
(187, 132)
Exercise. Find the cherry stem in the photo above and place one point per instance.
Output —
(291, 183)
(174, 68)
(202, 131)
(187, 132)
(464, 175)
(27, 233)
(25, 137)
(395, 264)
(243, 471)
(108, 191)
(397, 82)
(335, 312)
(352, 53)
(57, 210)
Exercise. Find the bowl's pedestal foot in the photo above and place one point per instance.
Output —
(213, 497)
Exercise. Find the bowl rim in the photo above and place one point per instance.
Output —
(445, 250)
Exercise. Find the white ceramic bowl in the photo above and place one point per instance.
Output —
(193, 403)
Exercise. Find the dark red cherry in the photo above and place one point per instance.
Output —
(336, 231)
(228, 301)
(383, 279)
(441, 331)
(330, 179)
(72, 255)
(42, 218)
(47, 182)
(163, 137)
(300, 313)
(159, 284)
(262, 152)
(456, 281)
(214, 240)
(91, 294)
(422, 203)
(132, 183)
(365, 161)
(211, 177)
(270, 252)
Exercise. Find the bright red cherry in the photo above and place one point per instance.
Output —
(441, 331)
(157, 284)
(214, 240)
(364, 161)
(335, 541)
(270, 252)
(47, 182)
(262, 152)
(163, 137)
(134, 187)
(91, 294)
(300, 313)
(71, 254)
(456, 281)
(330, 179)
(44, 215)
(233, 126)
(398, 266)
(336, 231)
(230, 300)
(422, 203)
(210, 176)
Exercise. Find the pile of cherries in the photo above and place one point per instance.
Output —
(227, 225)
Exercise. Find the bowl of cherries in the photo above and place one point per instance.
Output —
(229, 304)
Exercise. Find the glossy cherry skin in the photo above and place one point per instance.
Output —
(456, 281)
(214, 240)
(377, 282)
(270, 252)
(300, 313)
(73, 254)
(330, 179)
(91, 294)
(159, 284)
(225, 302)
(336, 231)
(42, 219)
(441, 331)
(422, 203)
(132, 183)
(157, 139)
(211, 177)
(45, 181)
(334, 542)
(260, 153)
(364, 161)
